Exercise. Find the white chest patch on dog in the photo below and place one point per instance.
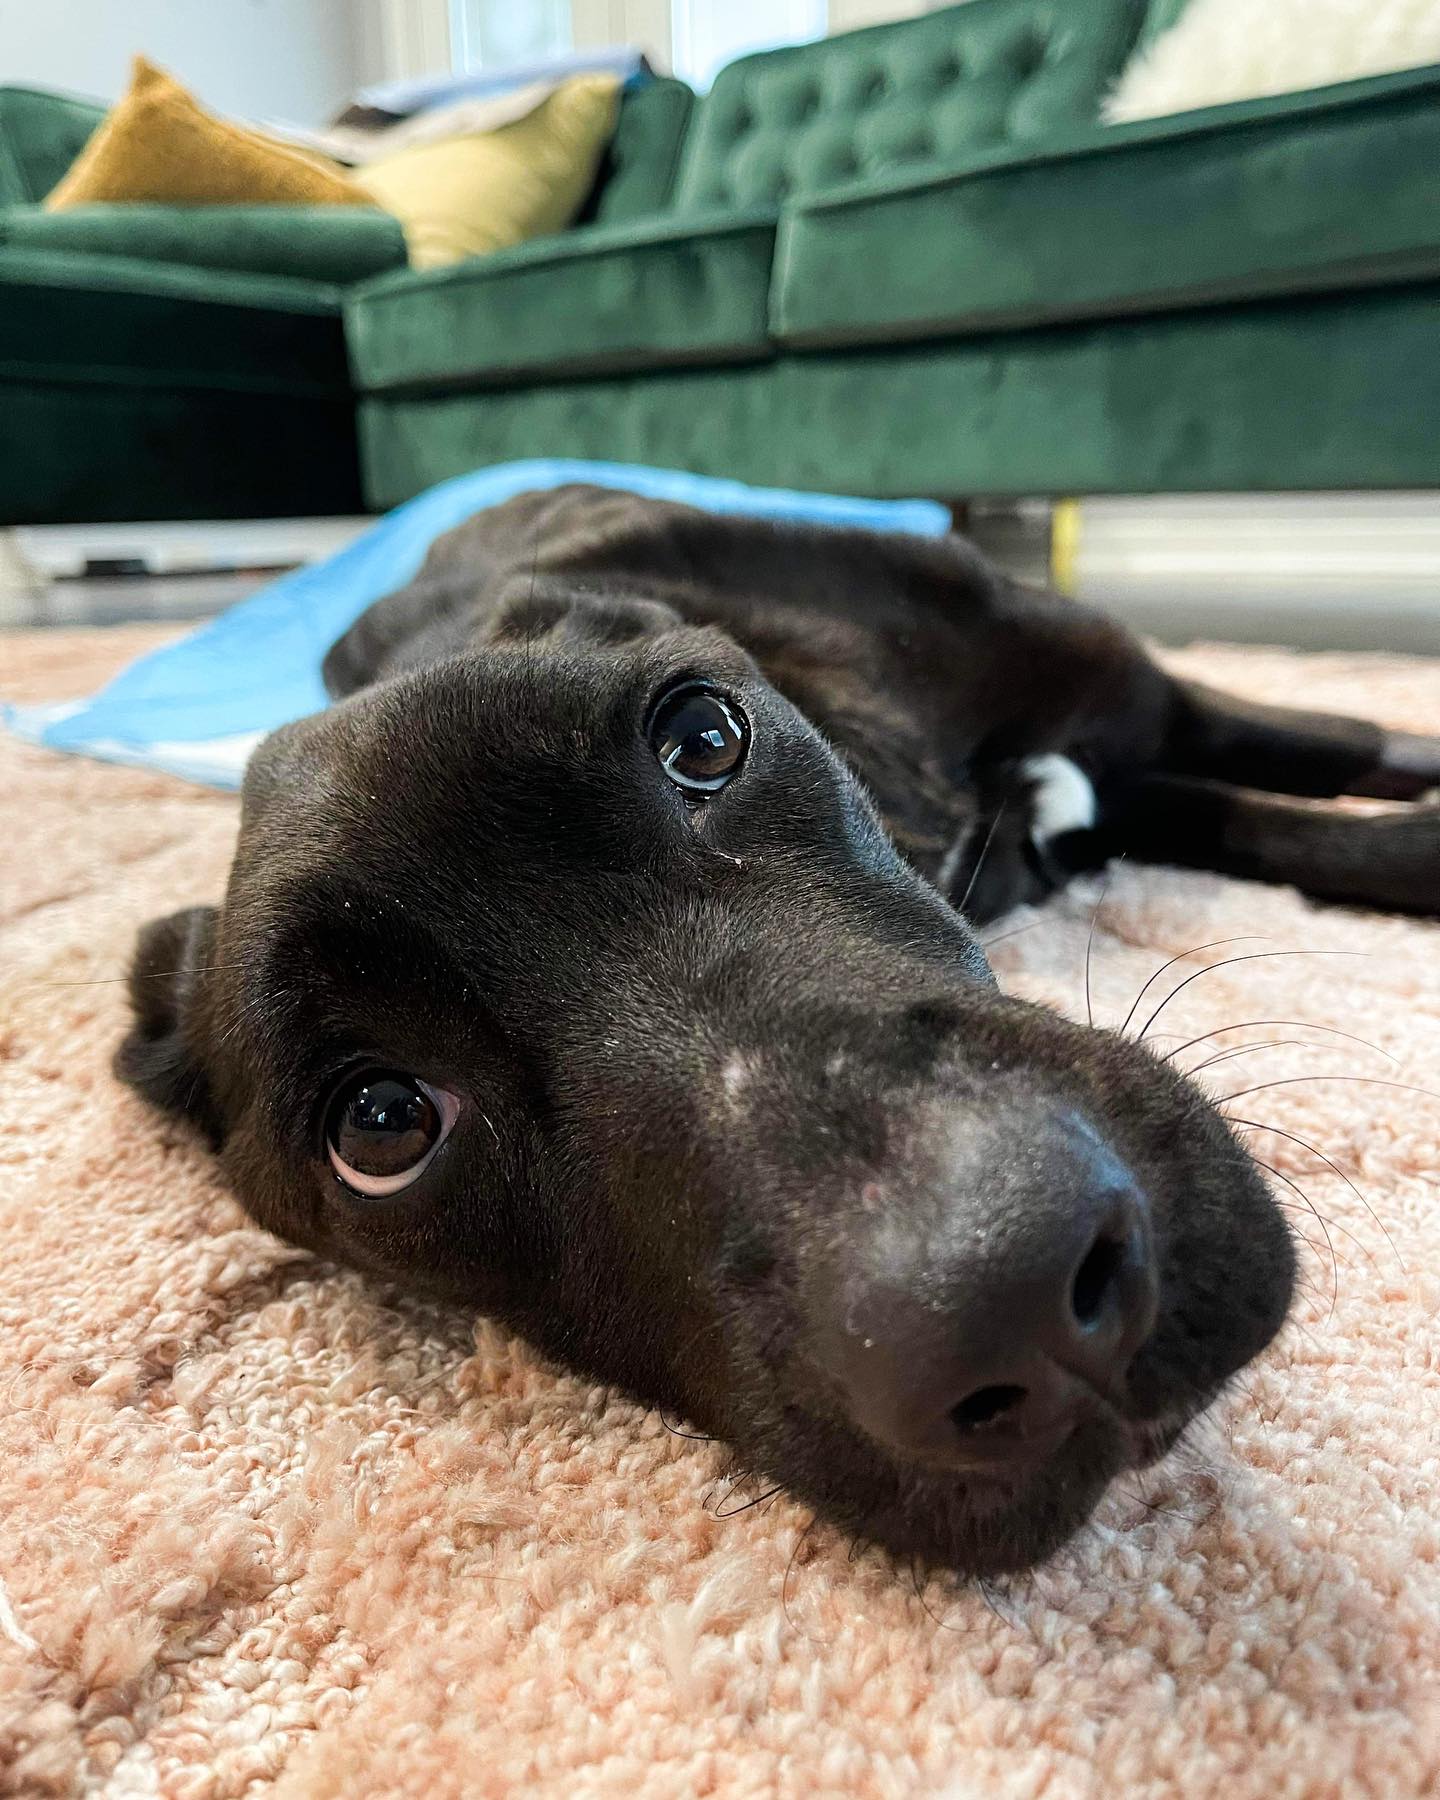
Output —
(1061, 798)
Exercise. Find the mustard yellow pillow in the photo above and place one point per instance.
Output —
(467, 195)
(157, 143)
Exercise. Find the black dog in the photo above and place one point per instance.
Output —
(597, 962)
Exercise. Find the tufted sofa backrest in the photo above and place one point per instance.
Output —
(636, 177)
(925, 90)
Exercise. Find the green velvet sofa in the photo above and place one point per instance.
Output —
(169, 362)
(165, 362)
(910, 260)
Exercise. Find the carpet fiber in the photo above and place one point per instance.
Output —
(266, 1528)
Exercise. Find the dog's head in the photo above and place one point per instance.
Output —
(577, 980)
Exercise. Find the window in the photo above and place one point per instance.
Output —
(707, 34)
(490, 34)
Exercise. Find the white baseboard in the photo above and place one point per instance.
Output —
(58, 552)
(1320, 571)
(1323, 571)
(1259, 542)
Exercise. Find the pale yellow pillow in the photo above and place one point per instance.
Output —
(465, 196)
(157, 143)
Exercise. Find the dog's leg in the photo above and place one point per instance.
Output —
(1388, 859)
(1219, 738)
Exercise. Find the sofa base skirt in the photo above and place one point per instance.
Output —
(83, 453)
(1328, 391)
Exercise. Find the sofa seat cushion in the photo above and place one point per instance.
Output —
(105, 321)
(1333, 188)
(1318, 391)
(596, 299)
(338, 244)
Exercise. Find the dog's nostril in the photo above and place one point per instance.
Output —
(1095, 1281)
(986, 1406)
(981, 1332)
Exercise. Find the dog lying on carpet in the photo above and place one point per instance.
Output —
(604, 961)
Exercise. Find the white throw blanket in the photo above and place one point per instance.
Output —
(358, 145)
(1224, 50)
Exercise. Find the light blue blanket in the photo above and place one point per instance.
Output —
(197, 708)
(405, 98)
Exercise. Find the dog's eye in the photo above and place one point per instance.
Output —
(383, 1128)
(700, 739)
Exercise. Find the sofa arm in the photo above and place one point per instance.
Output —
(335, 244)
(1330, 188)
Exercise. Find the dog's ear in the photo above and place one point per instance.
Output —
(161, 1056)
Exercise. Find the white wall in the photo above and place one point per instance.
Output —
(847, 15)
(277, 59)
(644, 23)
(301, 59)
(704, 36)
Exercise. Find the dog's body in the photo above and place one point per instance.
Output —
(941, 684)
(567, 968)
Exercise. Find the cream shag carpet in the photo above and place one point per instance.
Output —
(1222, 50)
(264, 1528)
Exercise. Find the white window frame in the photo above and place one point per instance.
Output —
(596, 24)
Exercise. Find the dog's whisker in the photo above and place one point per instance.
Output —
(1090, 938)
(1257, 1024)
(139, 975)
(695, 1437)
(984, 852)
(1334, 1167)
(1236, 1050)
(1320, 1221)
(918, 1583)
(950, 862)
(915, 1582)
(1228, 1055)
(1252, 1399)
(1153, 1506)
(1019, 930)
(1405, 1087)
(734, 1512)
(1247, 937)
(800, 1544)
(1226, 963)
(985, 1594)
(1308, 1205)
(1036, 1587)
(1310, 1288)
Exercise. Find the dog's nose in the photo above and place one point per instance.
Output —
(975, 1329)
